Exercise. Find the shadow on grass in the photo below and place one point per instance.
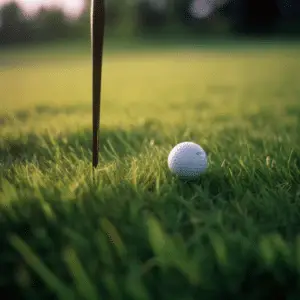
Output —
(113, 142)
(118, 142)
(25, 115)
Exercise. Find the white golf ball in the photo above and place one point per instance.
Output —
(187, 160)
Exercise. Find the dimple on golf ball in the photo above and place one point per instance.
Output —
(187, 160)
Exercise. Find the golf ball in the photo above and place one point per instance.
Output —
(187, 160)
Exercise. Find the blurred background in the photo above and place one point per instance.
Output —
(36, 21)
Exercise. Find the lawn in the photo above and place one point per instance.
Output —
(133, 231)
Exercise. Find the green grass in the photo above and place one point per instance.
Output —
(134, 231)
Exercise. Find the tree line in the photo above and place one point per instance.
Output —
(131, 18)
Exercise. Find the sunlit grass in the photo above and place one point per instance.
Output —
(133, 231)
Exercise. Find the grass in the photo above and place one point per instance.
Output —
(134, 231)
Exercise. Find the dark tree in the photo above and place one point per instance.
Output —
(254, 16)
(13, 24)
(51, 24)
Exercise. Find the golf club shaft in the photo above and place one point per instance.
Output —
(97, 37)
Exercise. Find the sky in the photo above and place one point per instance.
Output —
(70, 7)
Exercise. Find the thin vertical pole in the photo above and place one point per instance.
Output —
(97, 37)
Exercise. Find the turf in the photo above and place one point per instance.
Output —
(133, 231)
